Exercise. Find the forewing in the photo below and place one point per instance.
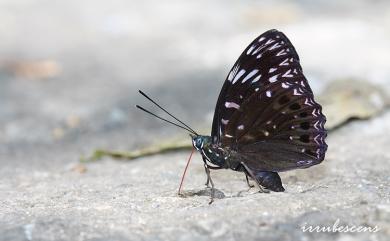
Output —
(266, 109)
(267, 56)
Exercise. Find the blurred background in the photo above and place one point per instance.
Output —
(70, 72)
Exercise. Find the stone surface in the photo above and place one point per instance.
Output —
(138, 199)
(345, 100)
(69, 71)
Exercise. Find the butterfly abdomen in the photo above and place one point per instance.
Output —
(270, 180)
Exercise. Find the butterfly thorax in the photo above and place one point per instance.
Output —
(215, 154)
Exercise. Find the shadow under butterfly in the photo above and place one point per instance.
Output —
(265, 121)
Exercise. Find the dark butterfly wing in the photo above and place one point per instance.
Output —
(266, 110)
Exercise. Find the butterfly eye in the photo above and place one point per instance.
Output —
(198, 143)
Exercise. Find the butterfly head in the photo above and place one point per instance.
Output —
(199, 142)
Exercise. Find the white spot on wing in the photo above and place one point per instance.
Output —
(287, 74)
(296, 92)
(258, 50)
(238, 76)
(229, 136)
(284, 85)
(315, 125)
(281, 52)
(272, 70)
(240, 127)
(256, 79)
(307, 102)
(230, 77)
(261, 39)
(315, 139)
(285, 62)
(275, 46)
(250, 49)
(268, 93)
(273, 78)
(225, 122)
(232, 73)
(231, 105)
(250, 75)
(270, 41)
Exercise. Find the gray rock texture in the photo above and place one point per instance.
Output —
(138, 200)
(69, 74)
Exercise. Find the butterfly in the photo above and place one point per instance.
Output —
(266, 119)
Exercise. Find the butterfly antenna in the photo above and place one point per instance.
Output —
(150, 113)
(150, 99)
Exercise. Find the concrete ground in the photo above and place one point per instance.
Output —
(69, 75)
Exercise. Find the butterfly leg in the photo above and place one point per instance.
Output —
(207, 170)
(249, 171)
(212, 184)
(247, 181)
(208, 177)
